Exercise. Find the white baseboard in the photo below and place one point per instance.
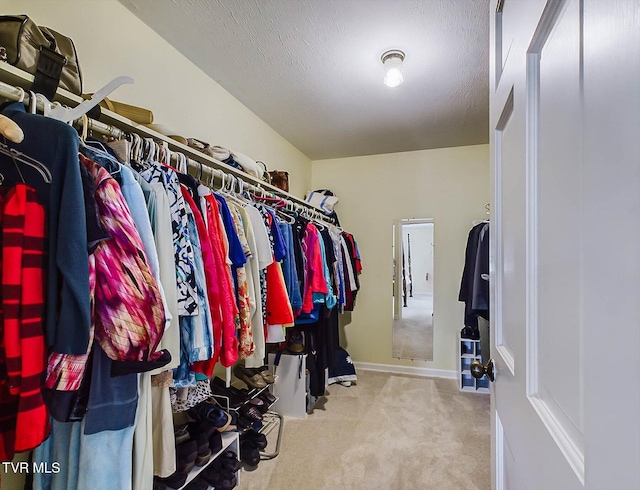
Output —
(414, 371)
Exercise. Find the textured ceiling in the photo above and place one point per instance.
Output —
(311, 69)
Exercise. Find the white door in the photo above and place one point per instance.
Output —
(565, 257)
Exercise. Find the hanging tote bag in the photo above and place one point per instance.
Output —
(43, 52)
(324, 199)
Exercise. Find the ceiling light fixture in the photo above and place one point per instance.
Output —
(392, 61)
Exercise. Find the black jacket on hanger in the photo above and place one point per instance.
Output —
(470, 285)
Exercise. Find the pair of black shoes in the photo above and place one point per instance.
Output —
(470, 333)
(221, 474)
(186, 455)
(251, 443)
(209, 411)
(235, 395)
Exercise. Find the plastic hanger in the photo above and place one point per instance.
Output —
(275, 201)
(167, 154)
(10, 130)
(33, 102)
(85, 128)
(97, 144)
(22, 94)
(231, 193)
(65, 114)
(183, 161)
(148, 150)
(17, 156)
(133, 149)
(283, 213)
(289, 212)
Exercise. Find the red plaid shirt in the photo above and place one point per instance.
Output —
(24, 422)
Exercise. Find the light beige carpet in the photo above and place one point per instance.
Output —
(413, 333)
(387, 432)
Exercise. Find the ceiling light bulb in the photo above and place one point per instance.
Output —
(392, 61)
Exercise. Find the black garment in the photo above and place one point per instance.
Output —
(192, 184)
(350, 295)
(123, 368)
(480, 297)
(334, 217)
(298, 231)
(321, 343)
(466, 286)
(332, 336)
(328, 248)
(96, 232)
(343, 368)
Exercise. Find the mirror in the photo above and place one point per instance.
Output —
(413, 289)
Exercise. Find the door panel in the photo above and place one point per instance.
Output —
(509, 256)
(565, 242)
(555, 72)
(611, 183)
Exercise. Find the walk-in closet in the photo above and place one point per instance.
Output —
(319, 244)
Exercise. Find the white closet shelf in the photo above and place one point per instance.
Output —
(15, 77)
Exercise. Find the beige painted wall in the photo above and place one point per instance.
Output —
(450, 185)
(111, 41)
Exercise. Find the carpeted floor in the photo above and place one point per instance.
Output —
(387, 432)
(413, 333)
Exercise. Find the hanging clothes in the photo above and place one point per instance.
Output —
(210, 282)
(168, 278)
(353, 267)
(246, 345)
(130, 315)
(261, 258)
(183, 249)
(25, 423)
(196, 330)
(473, 287)
(224, 335)
(289, 269)
(55, 144)
(159, 213)
(315, 280)
(279, 313)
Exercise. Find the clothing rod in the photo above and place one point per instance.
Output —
(206, 171)
(14, 93)
(118, 126)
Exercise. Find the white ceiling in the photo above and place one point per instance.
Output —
(311, 69)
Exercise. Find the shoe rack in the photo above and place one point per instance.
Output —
(270, 419)
(469, 351)
(230, 441)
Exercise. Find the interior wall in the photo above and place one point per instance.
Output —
(450, 185)
(111, 41)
